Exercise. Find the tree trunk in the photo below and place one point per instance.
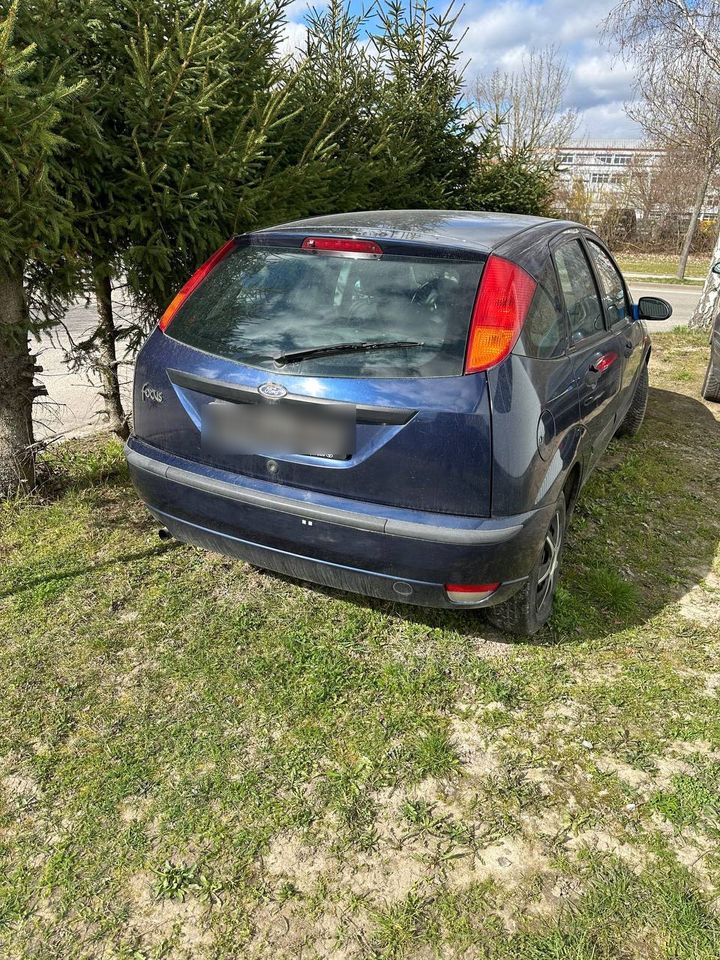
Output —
(707, 305)
(694, 217)
(107, 353)
(17, 369)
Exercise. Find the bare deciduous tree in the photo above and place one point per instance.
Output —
(671, 186)
(677, 44)
(680, 108)
(528, 102)
(707, 305)
(646, 28)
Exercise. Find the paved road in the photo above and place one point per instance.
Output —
(74, 406)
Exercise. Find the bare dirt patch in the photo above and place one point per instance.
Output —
(509, 860)
(701, 605)
(181, 924)
(623, 771)
(472, 749)
(293, 860)
(602, 841)
(20, 787)
(692, 848)
(286, 931)
(133, 809)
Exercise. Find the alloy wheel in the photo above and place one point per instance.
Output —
(549, 560)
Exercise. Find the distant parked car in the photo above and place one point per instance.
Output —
(403, 404)
(711, 384)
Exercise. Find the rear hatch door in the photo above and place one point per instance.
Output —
(333, 370)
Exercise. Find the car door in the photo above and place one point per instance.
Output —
(619, 315)
(595, 350)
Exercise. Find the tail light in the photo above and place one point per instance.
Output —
(501, 306)
(193, 283)
(341, 245)
(469, 592)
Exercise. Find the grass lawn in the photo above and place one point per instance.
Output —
(649, 265)
(201, 760)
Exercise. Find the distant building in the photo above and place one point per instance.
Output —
(603, 167)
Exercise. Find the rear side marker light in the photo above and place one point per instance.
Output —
(341, 245)
(469, 592)
(501, 306)
(193, 283)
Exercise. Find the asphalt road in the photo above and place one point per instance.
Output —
(74, 407)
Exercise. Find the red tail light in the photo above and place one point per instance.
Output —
(501, 306)
(469, 592)
(193, 283)
(341, 245)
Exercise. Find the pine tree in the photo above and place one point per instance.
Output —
(338, 94)
(145, 177)
(179, 144)
(511, 181)
(384, 88)
(423, 98)
(34, 221)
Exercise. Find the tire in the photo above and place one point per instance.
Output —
(636, 411)
(530, 608)
(711, 383)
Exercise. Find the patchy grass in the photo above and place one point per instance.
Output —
(656, 266)
(201, 760)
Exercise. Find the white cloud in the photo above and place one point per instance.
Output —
(296, 9)
(500, 34)
(598, 79)
(607, 122)
(495, 28)
(294, 38)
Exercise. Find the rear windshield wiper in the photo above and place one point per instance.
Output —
(359, 346)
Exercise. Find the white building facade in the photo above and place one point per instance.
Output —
(604, 166)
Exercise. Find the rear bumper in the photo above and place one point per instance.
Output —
(383, 552)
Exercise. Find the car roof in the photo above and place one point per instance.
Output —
(474, 230)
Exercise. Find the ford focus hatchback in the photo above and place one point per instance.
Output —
(403, 404)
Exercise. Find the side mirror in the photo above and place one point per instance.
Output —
(715, 268)
(654, 308)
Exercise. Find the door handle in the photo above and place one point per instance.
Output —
(604, 362)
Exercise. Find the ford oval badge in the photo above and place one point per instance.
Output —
(272, 391)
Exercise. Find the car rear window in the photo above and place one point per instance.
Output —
(260, 303)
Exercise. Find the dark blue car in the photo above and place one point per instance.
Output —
(403, 404)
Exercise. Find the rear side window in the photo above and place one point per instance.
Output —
(544, 333)
(261, 303)
(580, 293)
(613, 289)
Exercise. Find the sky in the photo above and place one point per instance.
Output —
(498, 32)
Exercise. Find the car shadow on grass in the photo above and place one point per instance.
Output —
(644, 533)
(82, 570)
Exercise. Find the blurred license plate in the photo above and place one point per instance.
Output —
(314, 430)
